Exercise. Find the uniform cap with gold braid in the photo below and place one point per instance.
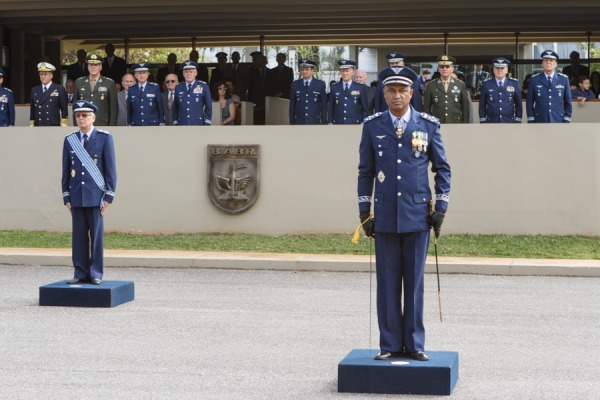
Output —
(46, 67)
(446, 60)
(94, 59)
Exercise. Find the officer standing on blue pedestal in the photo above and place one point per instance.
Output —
(48, 105)
(549, 93)
(348, 100)
(193, 103)
(396, 149)
(89, 179)
(144, 100)
(500, 96)
(396, 60)
(308, 97)
(7, 104)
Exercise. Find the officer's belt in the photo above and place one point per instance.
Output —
(87, 161)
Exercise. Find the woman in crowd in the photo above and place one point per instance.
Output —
(223, 96)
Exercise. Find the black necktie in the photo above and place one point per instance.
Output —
(44, 90)
(346, 89)
(85, 140)
(306, 86)
(141, 91)
(500, 85)
(189, 88)
(549, 81)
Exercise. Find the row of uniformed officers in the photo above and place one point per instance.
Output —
(446, 98)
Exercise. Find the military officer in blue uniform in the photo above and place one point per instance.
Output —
(348, 100)
(396, 59)
(7, 104)
(89, 179)
(396, 149)
(144, 100)
(308, 97)
(193, 103)
(549, 93)
(500, 96)
(49, 101)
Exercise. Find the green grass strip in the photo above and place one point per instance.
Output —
(503, 246)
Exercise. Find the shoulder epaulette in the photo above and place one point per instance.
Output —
(429, 117)
(108, 78)
(536, 74)
(335, 83)
(372, 117)
(512, 79)
(202, 82)
(7, 89)
(561, 74)
(81, 78)
(101, 131)
(488, 79)
(153, 83)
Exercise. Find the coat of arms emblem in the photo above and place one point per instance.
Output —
(233, 179)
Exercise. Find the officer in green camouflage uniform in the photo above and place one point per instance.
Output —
(98, 90)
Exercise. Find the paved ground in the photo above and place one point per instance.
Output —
(248, 334)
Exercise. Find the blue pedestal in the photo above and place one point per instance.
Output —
(359, 372)
(107, 294)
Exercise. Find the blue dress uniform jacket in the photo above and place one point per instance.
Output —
(193, 108)
(7, 107)
(395, 170)
(399, 175)
(497, 105)
(549, 103)
(146, 110)
(46, 109)
(350, 108)
(308, 107)
(80, 189)
(415, 100)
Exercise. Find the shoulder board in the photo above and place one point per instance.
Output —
(153, 84)
(512, 79)
(538, 74)
(101, 131)
(335, 83)
(488, 79)
(561, 74)
(372, 117)
(203, 82)
(7, 89)
(430, 118)
(81, 78)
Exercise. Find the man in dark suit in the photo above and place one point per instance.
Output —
(170, 68)
(171, 81)
(280, 78)
(202, 70)
(239, 72)
(113, 67)
(78, 69)
(257, 88)
(48, 104)
(360, 76)
(127, 81)
(89, 180)
(221, 72)
(575, 69)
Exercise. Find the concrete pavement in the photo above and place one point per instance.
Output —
(301, 262)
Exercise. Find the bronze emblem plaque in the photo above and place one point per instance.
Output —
(233, 176)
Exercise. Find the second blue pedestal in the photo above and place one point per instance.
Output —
(359, 372)
(107, 294)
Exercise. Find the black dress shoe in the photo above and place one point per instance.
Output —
(419, 356)
(75, 281)
(96, 281)
(386, 355)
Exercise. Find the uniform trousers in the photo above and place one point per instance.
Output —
(401, 265)
(88, 228)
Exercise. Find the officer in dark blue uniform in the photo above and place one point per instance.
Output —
(348, 100)
(192, 104)
(308, 97)
(396, 149)
(144, 100)
(396, 60)
(89, 179)
(49, 101)
(549, 93)
(500, 96)
(7, 104)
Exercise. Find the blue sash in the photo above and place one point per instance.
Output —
(87, 161)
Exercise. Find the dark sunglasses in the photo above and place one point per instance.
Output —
(170, 81)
